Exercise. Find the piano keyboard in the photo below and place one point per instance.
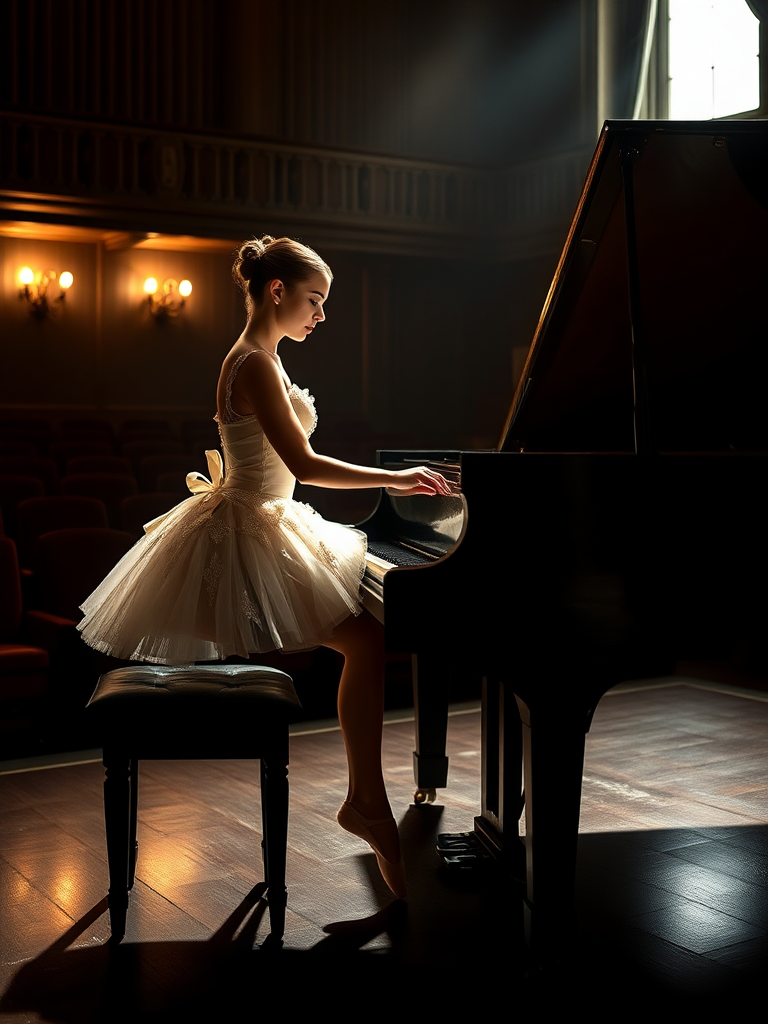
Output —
(383, 552)
(420, 529)
(380, 557)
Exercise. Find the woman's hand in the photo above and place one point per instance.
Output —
(420, 480)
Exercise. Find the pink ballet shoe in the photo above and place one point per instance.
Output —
(352, 821)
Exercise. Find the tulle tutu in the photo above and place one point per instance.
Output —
(239, 568)
(228, 573)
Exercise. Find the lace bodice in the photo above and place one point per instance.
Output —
(250, 461)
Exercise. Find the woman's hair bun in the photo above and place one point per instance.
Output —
(250, 253)
(259, 260)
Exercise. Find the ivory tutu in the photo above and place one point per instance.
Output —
(237, 568)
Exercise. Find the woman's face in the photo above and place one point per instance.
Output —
(300, 306)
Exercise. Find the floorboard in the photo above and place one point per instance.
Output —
(671, 900)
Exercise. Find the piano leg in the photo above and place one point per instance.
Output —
(431, 673)
(501, 796)
(553, 762)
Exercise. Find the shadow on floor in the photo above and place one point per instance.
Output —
(651, 928)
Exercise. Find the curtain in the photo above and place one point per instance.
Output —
(625, 35)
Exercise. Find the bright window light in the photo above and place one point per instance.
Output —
(714, 63)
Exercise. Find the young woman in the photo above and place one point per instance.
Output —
(240, 567)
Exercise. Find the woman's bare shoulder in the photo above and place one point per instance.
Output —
(237, 364)
(240, 378)
(261, 369)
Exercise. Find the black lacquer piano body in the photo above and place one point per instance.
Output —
(620, 524)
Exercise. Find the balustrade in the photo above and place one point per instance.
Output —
(99, 170)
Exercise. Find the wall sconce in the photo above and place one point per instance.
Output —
(170, 301)
(34, 287)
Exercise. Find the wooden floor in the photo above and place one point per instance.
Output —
(672, 893)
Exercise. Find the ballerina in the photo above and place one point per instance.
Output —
(240, 567)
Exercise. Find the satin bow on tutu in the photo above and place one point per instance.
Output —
(198, 484)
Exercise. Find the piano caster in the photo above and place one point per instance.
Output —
(425, 796)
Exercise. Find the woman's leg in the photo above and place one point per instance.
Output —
(361, 710)
(366, 811)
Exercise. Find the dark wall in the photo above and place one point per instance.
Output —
(416, 351)
(413, 352)
(432, 79)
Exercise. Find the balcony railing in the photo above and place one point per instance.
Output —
(135, 178)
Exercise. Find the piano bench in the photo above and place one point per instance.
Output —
(191, 712)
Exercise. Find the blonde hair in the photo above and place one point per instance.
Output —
(264, 259)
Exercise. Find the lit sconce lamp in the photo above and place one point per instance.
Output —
(170, 301)
(35, 288)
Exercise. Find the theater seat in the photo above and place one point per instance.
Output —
(69, 566)
(13, 490)
(36, 516)
(110, 488)
(24, 668)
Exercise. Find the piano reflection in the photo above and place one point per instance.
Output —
(620, 523)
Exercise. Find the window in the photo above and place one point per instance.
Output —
(714, 59)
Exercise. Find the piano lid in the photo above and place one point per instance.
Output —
(701, 212)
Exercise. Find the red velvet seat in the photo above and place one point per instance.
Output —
(109, 488)
(143, 508)
(63, 451)
(41, 467)
(72, 562)
(24, 668)
(99, 464)
(37, 516)
(38, 431)
(135, 451)
(69, 565)
(18, 449)
(152, 466)
(13, 490)
(198, 435)
(172, 483)
(144, 425)
(93, 428)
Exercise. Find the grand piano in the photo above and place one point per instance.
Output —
(620, 524)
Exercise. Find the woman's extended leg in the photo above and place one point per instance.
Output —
(366, 811)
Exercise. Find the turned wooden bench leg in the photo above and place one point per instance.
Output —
(274, 816)
(117, 820)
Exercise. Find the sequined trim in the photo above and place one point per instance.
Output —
(212, 574)
(218, 528)
(250, 610)
(327, 556)
(230, 414)
(309, 402)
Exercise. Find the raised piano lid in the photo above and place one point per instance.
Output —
(701, 208)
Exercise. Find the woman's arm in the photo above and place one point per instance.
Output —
(261, 388)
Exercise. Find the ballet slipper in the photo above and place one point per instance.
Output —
(351, 820)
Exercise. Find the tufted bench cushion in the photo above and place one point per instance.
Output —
(175, 711)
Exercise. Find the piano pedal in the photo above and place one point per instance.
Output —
(465, 850)
(461, 850)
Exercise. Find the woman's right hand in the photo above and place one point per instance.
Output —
(420, 480)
